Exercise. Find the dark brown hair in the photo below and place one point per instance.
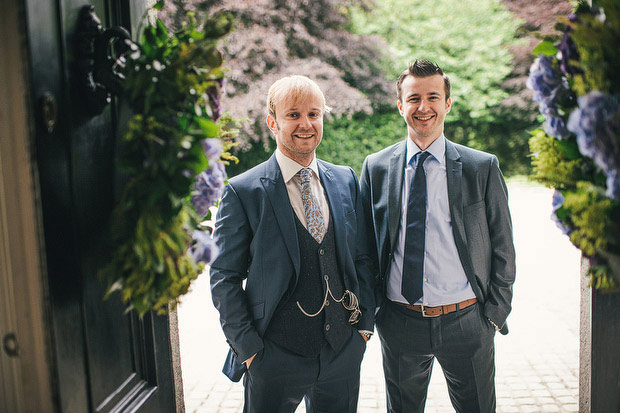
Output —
(423, 68)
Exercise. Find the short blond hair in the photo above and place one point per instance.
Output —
(294, 87)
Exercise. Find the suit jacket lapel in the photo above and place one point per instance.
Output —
(454, 172)
(395, 190)
(273, 182)
(334, 199)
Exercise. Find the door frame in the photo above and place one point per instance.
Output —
(28, 380)
(26, 375)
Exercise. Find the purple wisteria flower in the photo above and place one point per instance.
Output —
(569, 52)
(204, 248)
(596, 122)
(212, 148)
(215, 97)
(545, 81)
(613, 185)
(548, 86)
(208, 187)
(556, 127)
(556, 203)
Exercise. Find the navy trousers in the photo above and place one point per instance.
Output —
(463, 344)
(278, 380)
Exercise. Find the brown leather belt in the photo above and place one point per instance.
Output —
(440, 310)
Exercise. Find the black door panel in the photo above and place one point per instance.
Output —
(104, 359)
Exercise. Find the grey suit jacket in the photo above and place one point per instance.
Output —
(479, 213)
(256, 234)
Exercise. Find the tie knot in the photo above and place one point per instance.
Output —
(305, 174)
(422, 156)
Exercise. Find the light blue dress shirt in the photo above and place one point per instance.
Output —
(445, 281)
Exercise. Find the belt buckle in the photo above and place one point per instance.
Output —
(423, 308)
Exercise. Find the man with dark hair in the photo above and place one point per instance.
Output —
(444, 252)
(292, 229)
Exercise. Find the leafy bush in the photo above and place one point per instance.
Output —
(469, 40)
(174, 138)
(349, 141)
(575, 82)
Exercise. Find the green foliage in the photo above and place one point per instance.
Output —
(597, 42)
(277, 38)
(595, 223)
(590, 217)
(348, 141)
(469, 40)
(589, 212)
(171, 82)
(558, 163)
(256, 154)
(546, 48)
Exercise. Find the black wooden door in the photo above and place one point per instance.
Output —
(104, 360)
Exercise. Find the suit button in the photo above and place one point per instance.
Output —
(327, 327)
(321, 251)
(327, 303)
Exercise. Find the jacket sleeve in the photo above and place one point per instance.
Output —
(233, 236)
(498, 301)
(369, 222)
(363, 264)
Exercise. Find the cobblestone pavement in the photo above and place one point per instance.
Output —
(536, 364)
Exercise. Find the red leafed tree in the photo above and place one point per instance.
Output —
(275, 38)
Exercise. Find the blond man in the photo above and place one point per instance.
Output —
(292, 228)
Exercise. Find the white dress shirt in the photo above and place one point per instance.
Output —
(445, 281)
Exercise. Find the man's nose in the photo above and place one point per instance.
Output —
(305, 122)
(422, 105)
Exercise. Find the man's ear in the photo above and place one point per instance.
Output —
(448, 105)
(272, 124)
(400, 107)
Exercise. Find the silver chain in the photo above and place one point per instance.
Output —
(348, 300)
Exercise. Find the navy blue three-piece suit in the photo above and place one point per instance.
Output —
(264, 245)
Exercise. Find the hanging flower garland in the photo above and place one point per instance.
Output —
(576, 82)
(173, 155)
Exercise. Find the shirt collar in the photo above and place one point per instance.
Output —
(290, 168)
(437, 149)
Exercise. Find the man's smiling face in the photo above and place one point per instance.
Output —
(298, 127)
(424, 108)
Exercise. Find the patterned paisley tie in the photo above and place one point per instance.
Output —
(314, 218)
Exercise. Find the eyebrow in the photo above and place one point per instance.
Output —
(295, 109)
(430, 94)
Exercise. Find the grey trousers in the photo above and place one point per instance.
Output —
(278, 380)
(463, 344)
